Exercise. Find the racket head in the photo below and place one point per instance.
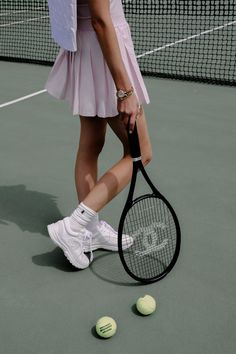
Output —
(153, 225)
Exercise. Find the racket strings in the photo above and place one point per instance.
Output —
(151, 225)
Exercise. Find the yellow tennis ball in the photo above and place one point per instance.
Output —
(146, 305)
(106, 327)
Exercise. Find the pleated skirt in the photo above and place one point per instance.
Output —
(83, 78)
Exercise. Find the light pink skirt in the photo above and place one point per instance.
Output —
(84, 79)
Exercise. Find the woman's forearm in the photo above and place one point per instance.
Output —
(107, 38)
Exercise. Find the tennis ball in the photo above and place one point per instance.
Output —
(106, 327)
(146, 305)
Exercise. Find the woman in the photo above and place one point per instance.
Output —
(103, 84)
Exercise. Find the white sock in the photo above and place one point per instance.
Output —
(92, 225)
(81, 217)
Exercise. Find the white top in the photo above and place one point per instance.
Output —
(66, 16)
(63, 20)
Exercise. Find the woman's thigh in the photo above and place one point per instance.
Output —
(92, 134)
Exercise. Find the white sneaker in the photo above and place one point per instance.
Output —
(107, 238)
(72, 243)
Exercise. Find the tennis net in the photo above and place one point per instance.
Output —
(182, 39)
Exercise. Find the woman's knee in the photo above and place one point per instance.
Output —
(121, 132)
(147, 157)
(92, 146)
(144, 139)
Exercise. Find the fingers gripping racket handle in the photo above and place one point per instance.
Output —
(134, 144)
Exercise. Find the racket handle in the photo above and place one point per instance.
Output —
(134, 143)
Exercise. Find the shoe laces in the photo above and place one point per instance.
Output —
(88, 237)
(105, 225)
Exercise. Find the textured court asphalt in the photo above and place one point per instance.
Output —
(47, 306)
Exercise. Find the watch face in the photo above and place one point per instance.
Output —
(120, 93)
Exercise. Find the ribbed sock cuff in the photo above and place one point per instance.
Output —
(81, 216)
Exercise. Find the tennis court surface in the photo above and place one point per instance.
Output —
(186, 52)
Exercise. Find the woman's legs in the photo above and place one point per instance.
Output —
(92, 138)
(82, 232)
(118, 176)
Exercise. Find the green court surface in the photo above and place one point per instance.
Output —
(47, 306)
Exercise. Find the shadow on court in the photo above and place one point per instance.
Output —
(30, 210)
(55, 259)
(107, 267)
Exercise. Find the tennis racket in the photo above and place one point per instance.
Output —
(149, 234)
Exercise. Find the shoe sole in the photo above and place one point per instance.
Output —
(54, 237)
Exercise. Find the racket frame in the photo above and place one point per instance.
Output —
(130, 202)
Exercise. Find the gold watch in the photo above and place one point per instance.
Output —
(122, 95)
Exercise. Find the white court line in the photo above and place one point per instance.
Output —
(187, 38)
(138, 56)
(21, 98)
(24, 21)
(21, 11)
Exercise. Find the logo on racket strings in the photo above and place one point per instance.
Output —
(150, 238)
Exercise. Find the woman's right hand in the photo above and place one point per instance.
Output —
(129, 108)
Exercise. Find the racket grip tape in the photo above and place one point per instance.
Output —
(134, 143)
